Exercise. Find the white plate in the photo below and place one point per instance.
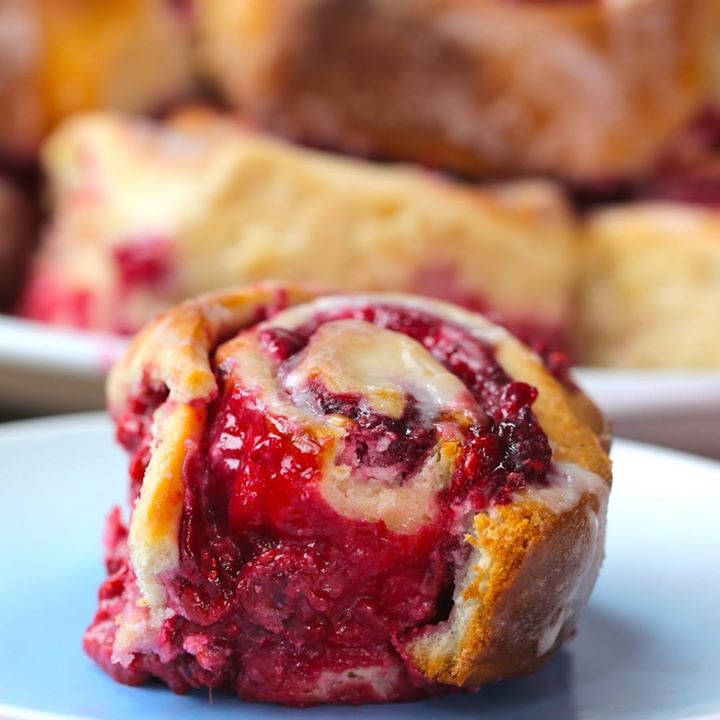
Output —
(647, 647)
(679, 409)
(49, 369)
(44, 368)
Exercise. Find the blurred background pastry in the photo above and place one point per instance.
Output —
(584, 90)
(145, 214)
(61, 56)
(650, 292)
(689, 169)
(508, 155)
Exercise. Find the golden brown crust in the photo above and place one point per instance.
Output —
(477, 86)
(60, 57)
(535, 552)
(534, 561)
(174, 350)
(519, 593)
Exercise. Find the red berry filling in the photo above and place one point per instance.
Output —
(46, 299)
(278, 594)
(132, 431)
(375, 440)
(144, 262)
(689, 171)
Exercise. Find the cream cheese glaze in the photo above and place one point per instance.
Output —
(352, 356)
(567, 483)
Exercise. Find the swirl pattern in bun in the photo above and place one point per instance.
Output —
(351, 498)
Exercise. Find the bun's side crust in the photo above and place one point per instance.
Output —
(534, 564)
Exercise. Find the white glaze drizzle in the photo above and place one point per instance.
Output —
(382, 366)
(567, 483)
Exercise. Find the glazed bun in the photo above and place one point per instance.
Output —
(346, 498)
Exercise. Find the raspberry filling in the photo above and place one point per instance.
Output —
(144, 262)
(46, 299)
(689, 171)
(686, 171)
(142, 265)
(278, 595)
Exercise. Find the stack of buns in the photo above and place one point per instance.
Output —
(431, 146)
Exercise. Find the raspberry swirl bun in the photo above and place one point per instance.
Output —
(344, 499)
